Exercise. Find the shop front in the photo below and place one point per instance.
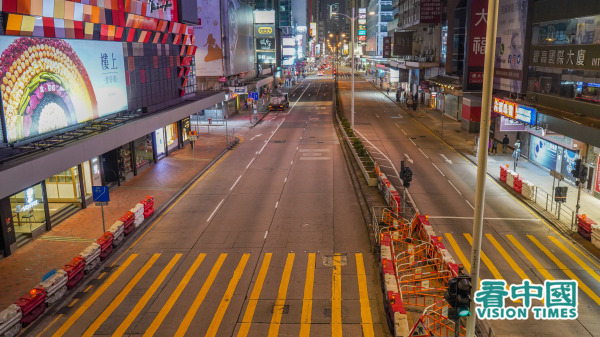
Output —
(172, 137)
(28, 213)
(160, 143)
(144, 155)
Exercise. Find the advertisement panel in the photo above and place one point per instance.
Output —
(526, 114)
(568, 164)
(240, 37)
(402, 43)
(509, 124)
(264, 30)
(387, 47)
(264, 16)
(431, 11)
(313, 29)
(266, 57)
(476, 43)
(289, 51)
(505, 108)
(266, 43)
(543, 152)
(209, 52)
(50, 84)
(510, 41)
(394, 75)
(288, 41)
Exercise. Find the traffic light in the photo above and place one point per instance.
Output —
(463, 296)
(583, 174)
(406, 175)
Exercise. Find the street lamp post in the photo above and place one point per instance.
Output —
(352, 19)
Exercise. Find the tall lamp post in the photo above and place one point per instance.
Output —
(352, 19)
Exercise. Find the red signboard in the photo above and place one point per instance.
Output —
(505, 108)
(477, 41)
(222, 79)
(431, 11)
(597, 187)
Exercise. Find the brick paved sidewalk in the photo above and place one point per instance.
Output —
(25, 267)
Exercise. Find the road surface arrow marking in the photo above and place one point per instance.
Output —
(408, 158)
(256, 136)
(446, 159)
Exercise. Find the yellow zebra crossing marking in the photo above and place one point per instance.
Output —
(575, 258)
(117, 301)
(564, 268)
(144, 300)
(458, 252)
(308, 296)
(507, 257)
(65, 327)
(336, 297)
(281, 295)
(218, 317)
(365, 308)
(253, 301)
(530, 257)
(189, 316)
(486, 260)
(173, 298)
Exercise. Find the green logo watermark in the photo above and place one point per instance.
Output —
(559, 299)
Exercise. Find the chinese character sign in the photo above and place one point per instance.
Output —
(569, 56)
(477, 42)
(555, 299)
(63, 83)
(510, 41)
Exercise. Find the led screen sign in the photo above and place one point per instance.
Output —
(50, 84)
(516, 111)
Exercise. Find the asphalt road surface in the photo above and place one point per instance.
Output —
(271, 241)
(516, 244)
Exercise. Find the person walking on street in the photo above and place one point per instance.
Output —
(388, 90)
(397, 95)
(495, 146)
(505, 142)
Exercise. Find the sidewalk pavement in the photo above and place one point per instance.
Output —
(464, 142)
(25, 267)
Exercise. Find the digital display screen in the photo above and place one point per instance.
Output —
(50, 84)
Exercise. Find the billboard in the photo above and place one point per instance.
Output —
(568, 164)
(313, 29)
(430, 11)
(288, 41)
(543, 152)
(50, 84)
(402, 43)
(264, 30)
(387, 47)
(476, 44)
(209, 52)
(264, 16)
(265, 43)
(289, 51)
(266, 57)
(240, 37)
(510, 41)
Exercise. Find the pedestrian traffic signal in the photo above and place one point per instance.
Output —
(463, 296)
(577, 169)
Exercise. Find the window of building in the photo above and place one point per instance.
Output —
(28, 211)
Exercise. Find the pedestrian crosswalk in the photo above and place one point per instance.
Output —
(516, 257)
(228, 294)
(330, 76)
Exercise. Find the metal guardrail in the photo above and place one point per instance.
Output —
(563, 213)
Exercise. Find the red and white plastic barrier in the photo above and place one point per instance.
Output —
(56, 286)
(10, 321)
(148, 206)
(117, 231)
(138, 214)
(388, 191)
(106, 245)
(91, 254)
(503, 173)
(32, 305)
(75, 271)
(127, 220)
(395, 308)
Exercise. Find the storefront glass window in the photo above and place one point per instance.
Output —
(568, 31)
(185, 128)
(172, 138)
(581, 85)
(125, 166)
(91, 175)
(28, 211)
(160, 142)
(143, 152)
(62, 190)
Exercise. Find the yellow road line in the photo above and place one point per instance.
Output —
(65, 327)
(281, 295)
(88, 288)
(101, 275)
(144, 300)
(365, 307)
(189, 316)
(49, 325)
(308, 296)
(575, 258)
(73, 302)
(530, 257)
(336, 297)
(218, 317)
(173, 298)
(254, 296)
(582, 253)
(507, 257)
(486, 260)
(172, 205)
(458, 252)
(117, 300)
(567, 271)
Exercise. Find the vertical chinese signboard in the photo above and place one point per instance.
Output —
(387, 47)
(403, 43)
(512, 24)
(477, 42)
(431, 11)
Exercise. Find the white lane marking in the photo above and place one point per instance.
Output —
(314, 150)
(285, 180)
(267, 141)
(423, 153)
(446, 159)
(408, 158)
(250, 163)
(292, 162)
(236, 181)
(276, 204)
(397, 124)
(454, 187)
(385, 166)
(315, 158)
(266, 233)
(215, 211)
(377, 115)
(412, 142)
(469, 204)
(256, 136)
(403, 132)
(296, 148)
(440, 171)
(471, 218)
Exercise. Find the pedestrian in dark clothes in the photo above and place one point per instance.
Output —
(505, 142)
(494, 146)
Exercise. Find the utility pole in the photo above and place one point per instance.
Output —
(484, 137)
